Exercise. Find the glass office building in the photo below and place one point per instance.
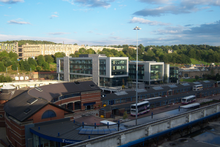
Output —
(174, 74)
(103, 70)
(149, 72)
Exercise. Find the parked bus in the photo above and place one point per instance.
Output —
(188, 99)
(142, 107)
(191, 106)
(197, 87)
(152, 98)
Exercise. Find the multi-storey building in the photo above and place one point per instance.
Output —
(174, 74)
(149, 71)
(46, 104)
(103, 70)
(33, 50)
(110, 71)
(9, 47)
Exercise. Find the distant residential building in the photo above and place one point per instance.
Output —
(9, 47)
(170, 51)
(33, 50)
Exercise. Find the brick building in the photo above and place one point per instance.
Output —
(46, 104)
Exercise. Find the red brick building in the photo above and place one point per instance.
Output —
(46, 104)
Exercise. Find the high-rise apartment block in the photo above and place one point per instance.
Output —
(9, 47)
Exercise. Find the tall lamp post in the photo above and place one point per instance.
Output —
(136, 28)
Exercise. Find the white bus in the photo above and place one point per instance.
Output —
(197, 87)
(142, 107)
(191, 106)
(152, 98)
(188, 99)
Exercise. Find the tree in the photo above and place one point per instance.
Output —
(125, 115)
(49, 58)
(2, 67)
(40, 60)
(197, 78)
(13, 56)
(46, 66)
(14, 65)
(31, 61)
(59, 55)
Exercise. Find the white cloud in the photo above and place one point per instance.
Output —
(52, 16)
(185, 6)
(145, 21)
(18, 22)
(70, 1)
(58, 33)
(95, 3)
(156, 1)
(11, 1)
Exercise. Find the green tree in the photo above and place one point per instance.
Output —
(59, 55)
(46, 66)
(14, 65)
(125, 115)
(2, 67)
(197, 78)
(40, 60)
(49, 58)
(13, 56)
(31, 61)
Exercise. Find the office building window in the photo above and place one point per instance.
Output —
(119, 67)
(81, 66)
(132, 71)
(102, 67)
(61, 65)
(156, 72)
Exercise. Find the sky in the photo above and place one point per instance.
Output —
(111, 22)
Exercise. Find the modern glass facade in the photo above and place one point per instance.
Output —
(174, 74)
(80, 77)
(112, 82)
(119, 67)
(132, 71)
(81, 66)
(102, 67)
(156, 72)
(61, 65)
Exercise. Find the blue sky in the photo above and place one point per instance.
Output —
(111, 22)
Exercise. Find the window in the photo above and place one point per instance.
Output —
(48, 114)
(1, 116)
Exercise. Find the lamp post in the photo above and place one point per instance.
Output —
(136, 28)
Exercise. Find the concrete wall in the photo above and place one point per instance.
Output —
(122, 138)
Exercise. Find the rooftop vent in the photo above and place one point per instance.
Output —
(32, 100)
(27, 110)
(39, 89)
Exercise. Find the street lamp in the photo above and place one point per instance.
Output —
(136, 28)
